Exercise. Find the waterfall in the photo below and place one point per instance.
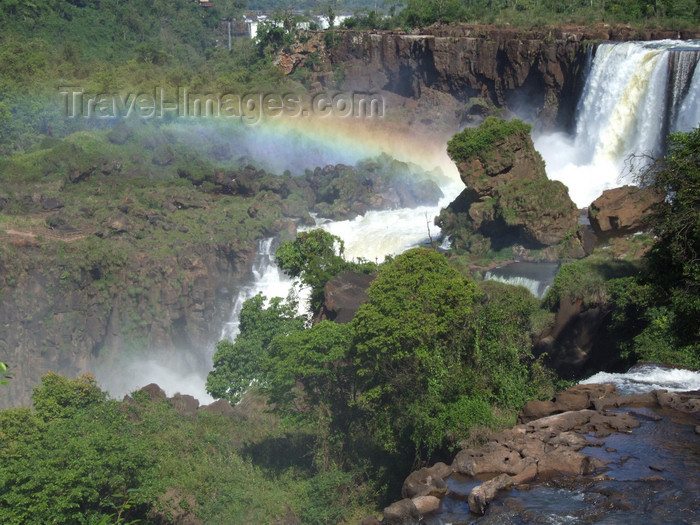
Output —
(267, 278)
(536, 277)
(634, 95)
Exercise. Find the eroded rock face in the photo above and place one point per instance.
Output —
(622, 211)
(60, 324)
(509, 200)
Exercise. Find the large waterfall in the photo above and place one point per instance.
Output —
(635, 94)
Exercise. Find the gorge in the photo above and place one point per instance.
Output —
(617, 113)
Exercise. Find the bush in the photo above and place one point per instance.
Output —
(473, 141)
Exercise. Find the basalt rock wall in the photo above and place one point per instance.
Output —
(536, 73)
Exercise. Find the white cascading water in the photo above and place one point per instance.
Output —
(267, 279)
(536, 288)
(647, 377)
(389, 232)
(635, 94)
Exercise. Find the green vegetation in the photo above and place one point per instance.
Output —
(417, 13)
(79, 458)
(420, 367)
(476, 141)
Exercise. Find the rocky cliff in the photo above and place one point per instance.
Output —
(535, 72)
(68, 321)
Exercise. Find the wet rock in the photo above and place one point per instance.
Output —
(370, 520)
(402, 512)
(481, 496)
(426, 504)
(568, 463)
(492, 457)
(652, 479)
(428, 481)
(621, 211)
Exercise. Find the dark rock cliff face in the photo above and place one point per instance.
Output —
(506, 70)
(535, 73)
(68, 324)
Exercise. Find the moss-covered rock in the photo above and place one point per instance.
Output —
(509, 200)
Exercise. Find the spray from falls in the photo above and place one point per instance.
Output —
(635, 94)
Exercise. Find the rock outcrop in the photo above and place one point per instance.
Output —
(342, 297)
(501, 66)
(622, 211)
(509, 200)
(578, 342)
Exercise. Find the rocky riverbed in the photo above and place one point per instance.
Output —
(587, 456)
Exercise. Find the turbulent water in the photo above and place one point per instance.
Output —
(647, 377)
(635, 94)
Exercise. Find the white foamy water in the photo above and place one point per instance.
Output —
(390, 232)
(268, 279)
(647, 377)
(635, 93)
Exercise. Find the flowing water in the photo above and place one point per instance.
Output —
(634, 95)
(654, 472)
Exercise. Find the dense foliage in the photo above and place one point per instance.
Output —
(418, 13)
(102, 461)
(420, 366)
(672, 288)
(478, 140)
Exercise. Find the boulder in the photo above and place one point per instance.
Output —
(482, 495)
(219, 407)
(622, 211)
(402, 512)
(426, 504)
(492, 457)
(154, 392)
(428, 481)
(184, 404)
(342, 297)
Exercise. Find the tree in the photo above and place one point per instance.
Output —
(673, 331)
(60, 397)
(314, 257)
(409, 348)
(239, 363)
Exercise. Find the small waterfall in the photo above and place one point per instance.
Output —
(536, 277)
(635, 94)
(267, 278)
(536, 287)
